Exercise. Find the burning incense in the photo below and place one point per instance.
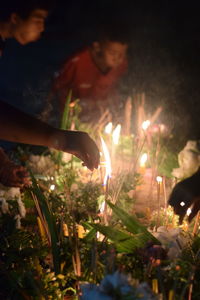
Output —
(143, 161)
(107, 177)
(159, 183)
(115, 141)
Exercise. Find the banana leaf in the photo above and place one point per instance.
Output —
(123, 241)
(132, 224)
(46, 211)
(91, 232)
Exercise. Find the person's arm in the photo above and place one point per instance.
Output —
(16, 126)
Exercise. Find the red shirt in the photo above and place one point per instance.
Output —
(82, 76)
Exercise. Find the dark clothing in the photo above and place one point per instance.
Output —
(2, 45)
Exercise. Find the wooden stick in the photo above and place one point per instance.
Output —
(196, 223)
(127, 116)
(156, 115)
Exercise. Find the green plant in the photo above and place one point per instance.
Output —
(129, 234)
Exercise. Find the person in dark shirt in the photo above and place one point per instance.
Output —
(24, 21)
(185, 195)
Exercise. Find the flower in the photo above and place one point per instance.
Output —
(189, 161)
(4, 206)
(18, 221)
(41, 164)
(22, 209)
(8, 194)
(116, 286)
(173, 240)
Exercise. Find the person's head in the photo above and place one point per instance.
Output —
(112, 48)
(24, 20)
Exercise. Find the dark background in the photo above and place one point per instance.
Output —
(163, 56)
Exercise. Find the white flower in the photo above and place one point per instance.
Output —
(41, 164)
(4, 206)
(12, 193)
(9, 193)
(174, 239)
(189, 161)
(22, 209)
(18, 221)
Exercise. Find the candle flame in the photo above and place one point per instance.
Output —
(143, 160)
(52, 187)
(188, 211)
(159, 179)
(102, 207)
(108, 128)
(146, 124)
(116, 134)
(107, 161)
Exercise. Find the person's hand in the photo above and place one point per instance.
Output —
(79, 144)
(186, 194)
(12, 175)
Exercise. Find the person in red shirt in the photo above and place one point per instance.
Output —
(93, 74)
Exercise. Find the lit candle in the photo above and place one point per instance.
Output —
(159, 182)
(143, 161)
(107, 176)
(116, 134)
(108, 128)
(145, 125)
(115, 141)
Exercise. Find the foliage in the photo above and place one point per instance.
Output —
(52, 254)
(122, 188)
(135, 236)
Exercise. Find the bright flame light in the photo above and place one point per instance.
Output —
(182, 203)
(116, 134)
(52, 187)
(108, 128)
(188, 211)
(143, 160)
(102, 207)
(107, 161)
(159, 179)
(145, 124)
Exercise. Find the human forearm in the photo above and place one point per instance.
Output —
(17, 126)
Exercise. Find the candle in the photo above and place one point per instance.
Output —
(145, 125)
(107, 176)
(143, 161)
(159, 182)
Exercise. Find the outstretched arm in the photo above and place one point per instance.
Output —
(16, 126)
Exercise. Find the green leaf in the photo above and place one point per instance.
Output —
(45, 208)
(90, 235)
(132, 224)
(65, 117)
(123, 241)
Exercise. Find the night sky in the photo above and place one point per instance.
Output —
(164, 55)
